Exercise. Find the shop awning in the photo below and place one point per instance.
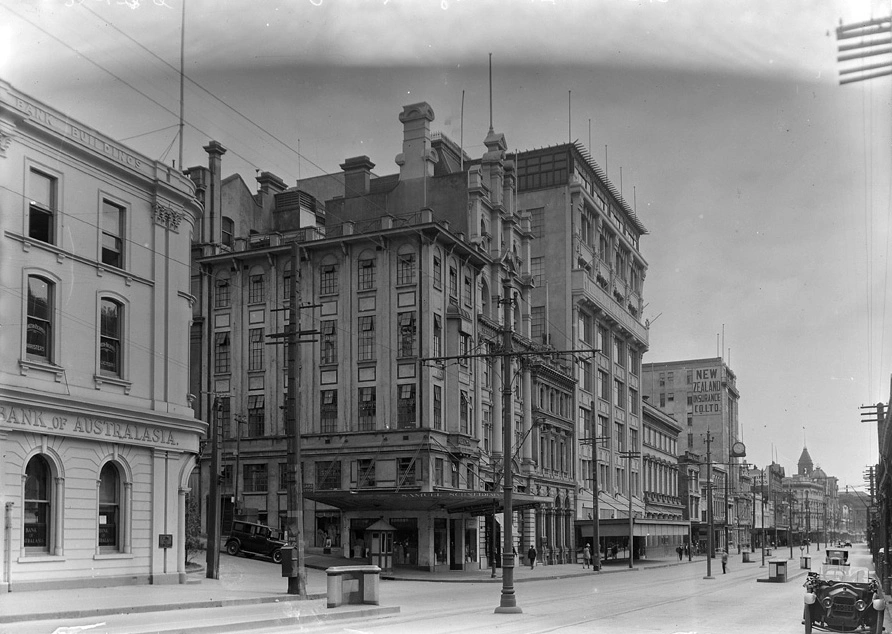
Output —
(449, 500)
(619, 527)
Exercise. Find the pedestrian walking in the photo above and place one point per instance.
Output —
(678, 552)
(725, 562)
(587, 556)
(531, 555)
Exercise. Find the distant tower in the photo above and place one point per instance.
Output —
(805, 463)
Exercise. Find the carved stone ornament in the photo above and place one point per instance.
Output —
(167, 217)
(5, 142)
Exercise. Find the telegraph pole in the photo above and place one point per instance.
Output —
(710, 553)
(628, 455)
(297, 577)
(596, 537)
(212, 550)
(508, 602)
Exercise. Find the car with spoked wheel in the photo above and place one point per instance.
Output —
(843, 598)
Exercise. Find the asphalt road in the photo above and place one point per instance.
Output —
(668, 600)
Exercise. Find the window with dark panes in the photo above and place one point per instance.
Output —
(222, 352)
(328, 279)
(438, 337)
(328, 475)
(111, 322)
(256, 289)
(368, 408)
(42, 192)
(224, 416)
(367, 270)
(406, 472)
(228, 229)
(328, 411)
(438, 472)
(537, 222)
(464, 409)
(438, 272)
(40, 319)
(603, 385)
(619, 355)
(255, 478)
(256, 415)
(453, 282)
(328, 348)
(406, 406)
(455, 474)
(109, 507)
(464, 347)
(255, 349)
(405, 268)
(37, 509)
(537, 270)
(438, 407)
(112, 234)
(365, 468)
(283, 476)
(407, 334)
(222, 294)
(467, 293)
(619, 394)
(366, 338)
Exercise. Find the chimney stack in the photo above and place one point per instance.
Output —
(417, 158)
(357, 176)
(212, 227)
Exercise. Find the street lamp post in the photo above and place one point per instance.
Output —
(763, 517)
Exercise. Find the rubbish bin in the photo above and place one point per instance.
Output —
(746, 557)
(805, 562)
(289, 561)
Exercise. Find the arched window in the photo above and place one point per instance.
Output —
(38, 508)
(109, 508)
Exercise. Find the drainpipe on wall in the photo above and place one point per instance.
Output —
(7, 543)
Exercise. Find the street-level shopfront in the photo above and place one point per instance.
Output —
(435, 530)
(94, 496)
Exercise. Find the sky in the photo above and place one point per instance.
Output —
(764, 184)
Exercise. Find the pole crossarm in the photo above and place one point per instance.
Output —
(512, 353)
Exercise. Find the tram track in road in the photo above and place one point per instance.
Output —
(606, 599)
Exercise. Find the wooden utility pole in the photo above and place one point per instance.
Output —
(710, 545)
(297, 578)
(508, 602)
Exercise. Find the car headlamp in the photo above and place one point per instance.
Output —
(827, 602)
(860, 605)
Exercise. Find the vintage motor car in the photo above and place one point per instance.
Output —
(254, 539)
(843, 598)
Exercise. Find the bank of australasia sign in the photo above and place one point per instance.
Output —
(27, 419)
(706, 397)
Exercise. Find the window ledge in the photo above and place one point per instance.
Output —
(99, 379)
(42, 558)
(113, 556)
(25, 366)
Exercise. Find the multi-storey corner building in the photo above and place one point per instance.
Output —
(701, 394)
(411, 285)
(589, 274)
(99, 438)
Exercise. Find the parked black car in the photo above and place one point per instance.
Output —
(255, 539)
(843, 598)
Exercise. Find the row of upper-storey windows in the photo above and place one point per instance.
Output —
(42, 328)
(43, 212)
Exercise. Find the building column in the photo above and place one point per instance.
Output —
(527, 396)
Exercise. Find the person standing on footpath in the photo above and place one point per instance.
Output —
(678, 551)
(531, 555)
(586, 556)
(725, 562)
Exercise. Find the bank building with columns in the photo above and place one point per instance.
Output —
(97, 434)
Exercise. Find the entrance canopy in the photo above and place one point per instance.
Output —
(451, 500)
